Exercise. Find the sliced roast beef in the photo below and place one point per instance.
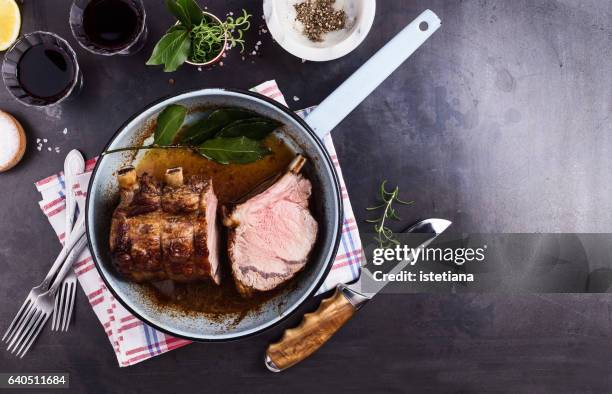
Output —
(165, 231)
(272, 233)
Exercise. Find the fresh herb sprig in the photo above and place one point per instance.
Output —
(196, 36)
(208, 37)
(236, 28)
(384, 235)
(225, 135)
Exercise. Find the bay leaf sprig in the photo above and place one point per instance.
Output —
(196, 36)
(225, 135)
(384, 235)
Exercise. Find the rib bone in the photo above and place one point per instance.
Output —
(296, 165)
(127, 177)
(174, 176)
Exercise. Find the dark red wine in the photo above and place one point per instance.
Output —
(111, 24)
(46, 72)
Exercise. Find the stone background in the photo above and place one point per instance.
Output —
(500, 123)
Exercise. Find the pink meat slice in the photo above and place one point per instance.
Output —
(271, 235)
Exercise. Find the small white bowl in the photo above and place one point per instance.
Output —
(280, 17)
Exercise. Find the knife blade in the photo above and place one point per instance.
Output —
(435, 227)
(319, 326)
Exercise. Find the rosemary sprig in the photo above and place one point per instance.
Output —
(384, 235)
(208, 37)
(207, 40)
(236, 28)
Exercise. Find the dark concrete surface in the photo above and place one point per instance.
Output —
(501, 123)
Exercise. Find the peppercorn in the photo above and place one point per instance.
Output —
(319, 17)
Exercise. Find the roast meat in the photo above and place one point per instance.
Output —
(165, 230)
(271, 233)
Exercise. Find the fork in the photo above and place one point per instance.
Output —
(25, 311)
(42, 307)
(64, 301)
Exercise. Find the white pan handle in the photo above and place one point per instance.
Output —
(367, 78)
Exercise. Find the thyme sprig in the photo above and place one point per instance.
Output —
(384, 235)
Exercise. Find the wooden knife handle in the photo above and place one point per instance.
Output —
(315, 329)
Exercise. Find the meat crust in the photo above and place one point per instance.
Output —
(165, 231)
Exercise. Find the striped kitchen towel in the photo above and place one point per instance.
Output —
(132, 340)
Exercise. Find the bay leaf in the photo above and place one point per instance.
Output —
(193, 10)
(254, 128)
(240, 150)
(207, 127)
(178, 10)
(172, 50)
(169, 122)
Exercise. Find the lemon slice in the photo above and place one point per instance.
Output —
(10, 23)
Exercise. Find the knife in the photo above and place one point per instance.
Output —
(319, 326)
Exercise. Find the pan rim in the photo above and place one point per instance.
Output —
(332, 253)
